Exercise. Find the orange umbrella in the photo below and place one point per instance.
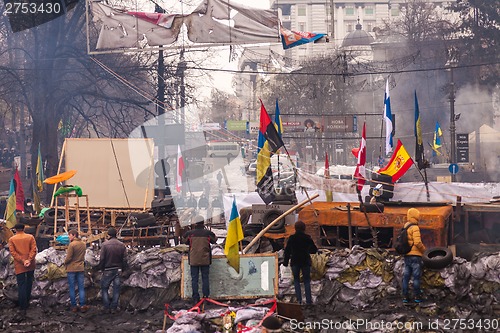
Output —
(60, 177)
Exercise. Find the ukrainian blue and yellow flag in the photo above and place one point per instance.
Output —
(233, 238)
(437, 140)
(10, 211)
(277, 120)
(419, 145)
(39, 171)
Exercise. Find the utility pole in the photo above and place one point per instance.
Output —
(160, 110)
(451, 64)
(452, 122)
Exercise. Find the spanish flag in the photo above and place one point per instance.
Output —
(398, 165)
(234, 236)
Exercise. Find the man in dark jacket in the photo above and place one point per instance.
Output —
(112, 262)
(200, 255)
(298, 249)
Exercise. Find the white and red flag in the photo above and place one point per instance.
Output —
(360, 173)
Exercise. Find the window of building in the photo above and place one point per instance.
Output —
(301, 10)
(302, 26)
(369, 27)
(287, 25)
(285, 9)
(394, 11)
(349, 28)
(369, 11)
(349, 11)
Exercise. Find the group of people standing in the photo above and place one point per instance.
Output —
(112, 262)
(22, 247)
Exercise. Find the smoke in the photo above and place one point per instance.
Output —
(475, 107)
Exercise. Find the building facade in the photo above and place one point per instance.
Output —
(316, 16)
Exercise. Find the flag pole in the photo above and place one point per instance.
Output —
(424, 178)
(372, 230)
(297, 176)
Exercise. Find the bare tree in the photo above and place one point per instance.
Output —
(46, 70)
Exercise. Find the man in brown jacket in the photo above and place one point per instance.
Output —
(413, 259)
(75, 267)
(23, 249)
(200, 255)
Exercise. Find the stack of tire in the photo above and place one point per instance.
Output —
(142, 220)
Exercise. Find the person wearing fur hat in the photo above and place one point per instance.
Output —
(413, 259)
(200, 255)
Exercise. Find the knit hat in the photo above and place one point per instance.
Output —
(413, 215)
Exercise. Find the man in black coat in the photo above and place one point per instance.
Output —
(298, 250)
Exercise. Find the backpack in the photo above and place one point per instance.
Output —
(401, 245)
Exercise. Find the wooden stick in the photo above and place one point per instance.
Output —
(263, 231)
(296, 175)
(58, 171)
(349, 224)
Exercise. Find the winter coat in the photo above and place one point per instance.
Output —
(414, 238)
(200, 252)
(75, 256)
(112, 255)
(298, 249)
(22, 246)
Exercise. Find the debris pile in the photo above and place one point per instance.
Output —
(365, 277)
(153, 272)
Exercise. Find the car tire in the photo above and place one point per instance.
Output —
(140, 216)
(252, 229)
(437, 257)
(146, 222)
(51, 213)
(270, 216)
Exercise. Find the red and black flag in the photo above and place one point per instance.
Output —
(269, 131)
(269, 143)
